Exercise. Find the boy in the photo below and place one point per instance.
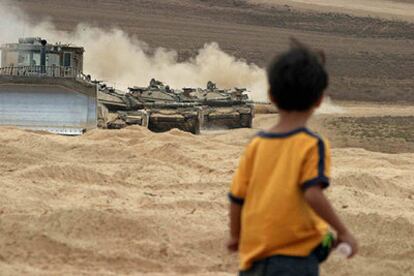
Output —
(279, 215)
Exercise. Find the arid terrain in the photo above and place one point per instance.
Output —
(132, 202)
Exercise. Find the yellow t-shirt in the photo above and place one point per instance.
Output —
(273, 173)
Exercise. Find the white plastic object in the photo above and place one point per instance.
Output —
(344, 249)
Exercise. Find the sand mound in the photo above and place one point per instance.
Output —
(132, 201)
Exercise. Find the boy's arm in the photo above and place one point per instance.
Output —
(315, 197)
(236, 196)
(235, 226)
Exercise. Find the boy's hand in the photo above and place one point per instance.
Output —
(233, 244)
(349, 239)
(316, 199)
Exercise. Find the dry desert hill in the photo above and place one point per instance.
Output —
(132, 202)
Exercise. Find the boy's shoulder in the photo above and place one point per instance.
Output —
(316, 141)
(300, 134)
(316, 136)
(303, 139)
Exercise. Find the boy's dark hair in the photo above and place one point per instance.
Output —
(297, 78)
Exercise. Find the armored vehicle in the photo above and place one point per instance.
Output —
(156, 92)
(116, 110)
(42, 87)
(220, 108)
(157, 115)
(223, 108)
(166, 116)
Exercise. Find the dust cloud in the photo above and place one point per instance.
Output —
(122, 60)
(328, 107)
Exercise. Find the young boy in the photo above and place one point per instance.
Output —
(279, 215)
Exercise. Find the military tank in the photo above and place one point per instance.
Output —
(116, 110)
(158, 115)
(220, 108)
(223, 108)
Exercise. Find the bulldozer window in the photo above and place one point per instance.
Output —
(67, 59)
(24, 59)
(52, 59)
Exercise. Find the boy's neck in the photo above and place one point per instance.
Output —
(291, 120)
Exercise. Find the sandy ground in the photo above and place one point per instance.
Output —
(135, 202)
(370, 57)
(390, 9)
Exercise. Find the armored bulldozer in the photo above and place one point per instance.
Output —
(42, 87)
(158, 116)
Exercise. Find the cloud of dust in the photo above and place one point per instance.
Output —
(328, 107)
(123, 60)
(117, 58)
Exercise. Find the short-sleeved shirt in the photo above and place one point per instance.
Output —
(273, 173)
